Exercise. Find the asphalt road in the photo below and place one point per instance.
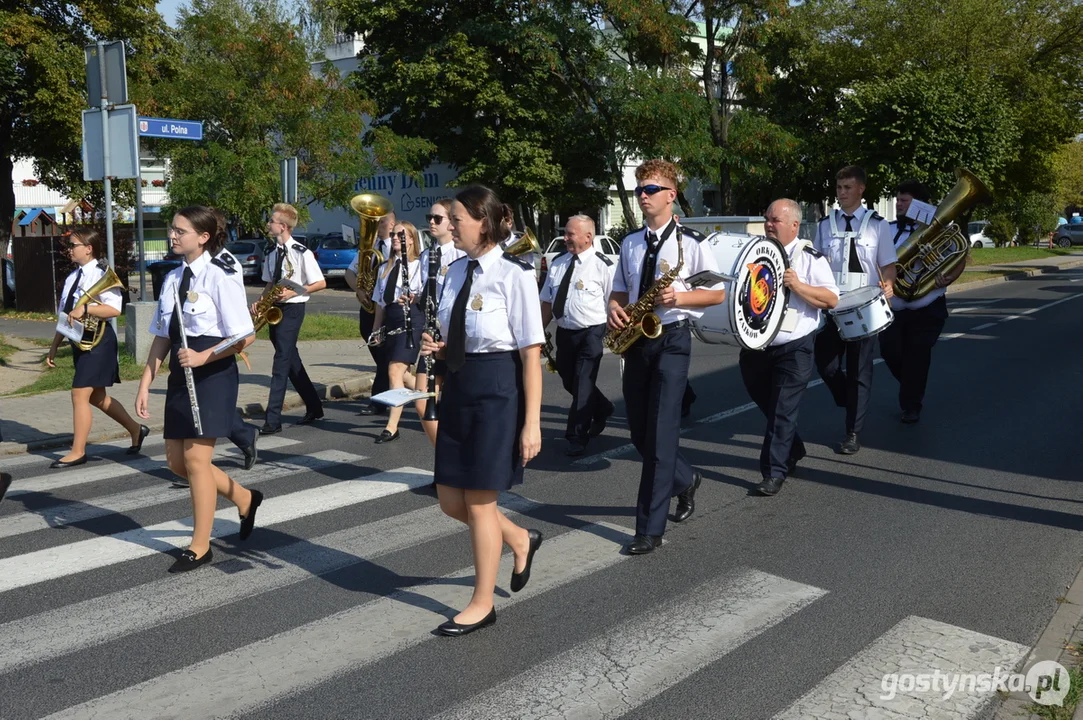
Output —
(942, 545)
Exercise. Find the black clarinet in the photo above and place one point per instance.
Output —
(408, 324)
(432, 327)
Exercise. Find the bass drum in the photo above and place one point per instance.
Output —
(751, 315)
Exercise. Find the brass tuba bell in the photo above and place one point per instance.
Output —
(371, 207)
(94, 327)
(527, 244)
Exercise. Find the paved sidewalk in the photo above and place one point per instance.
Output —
(339, 368)
(1019, 270)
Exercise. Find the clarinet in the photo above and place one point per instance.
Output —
(432, 327)
(408, 324)
(189, 379)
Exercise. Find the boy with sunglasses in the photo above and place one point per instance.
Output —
(656, 370)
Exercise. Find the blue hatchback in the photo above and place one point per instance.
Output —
(334, 255)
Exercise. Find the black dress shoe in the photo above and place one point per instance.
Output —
(643, 544)
(270, 429)
(850, 445)
(250, 454)
(134, 449)
(188, 561)
(371, 409)
(575, 449)
(81, 460)
(519, 580)
(910, 416)
(597, 426)
(249, 521)
(5, 483)
(454, 629)
(386, 437)
(309, 418)
(686, 501)
(770, 486)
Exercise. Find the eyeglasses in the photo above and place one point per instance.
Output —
(177, 232)
(435, 219)
(649, 189)
(75, 244)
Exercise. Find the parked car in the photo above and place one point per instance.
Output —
(309, 240)
(334, 254)
(250, 254)
(1068, 235)
(978, 238)
(602, 243)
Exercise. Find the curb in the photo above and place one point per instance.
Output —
(1016, 275)
(339, 389)
(1050, 646)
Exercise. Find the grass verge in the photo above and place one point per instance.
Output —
(323, 326)
(969, 276)
(1065, 710)
(995, 256)
(6, 351)
(9, 314)
(60, 377)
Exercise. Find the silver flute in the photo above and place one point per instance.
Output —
(189, 379)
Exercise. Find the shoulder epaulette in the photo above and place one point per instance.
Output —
(300, 247)
(894, 222)
(813, 251)
(693, 233)
(227, 262)
(605, 259)
(877, 216)
(103, 264)
(560, 254)
(519, 261)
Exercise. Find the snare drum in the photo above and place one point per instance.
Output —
(862, 313)
(751, 315)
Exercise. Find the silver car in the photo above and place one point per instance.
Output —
(602, 243)
(250, 254)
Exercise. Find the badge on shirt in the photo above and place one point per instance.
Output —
(664, 265)
(579, 285)
(192, 296)
(476, 303)
(443, 271)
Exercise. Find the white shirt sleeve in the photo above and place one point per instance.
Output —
(619, 284)
(269, 264)
(381, 284)
(607, 283)
(353, 263)
(231, 303)
(545, 295)
(885, 247)
(159, 327)
(310, 268)
(820, 275)
(112, 298)
(702, 257)
(525, 311)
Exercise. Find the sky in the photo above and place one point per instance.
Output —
(168, 9)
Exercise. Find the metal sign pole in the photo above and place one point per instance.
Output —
(105, 164)
(139, 219)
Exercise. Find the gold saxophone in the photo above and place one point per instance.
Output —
(547, 353)
(266, 313)
(642, 321)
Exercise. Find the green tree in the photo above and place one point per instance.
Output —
(43, 86)
(243, 69)
(1068, 167)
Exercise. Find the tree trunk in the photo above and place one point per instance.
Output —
(7, 212)
(686, 207)
(626, 207)
(719, 108)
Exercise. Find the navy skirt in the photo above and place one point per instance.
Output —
(97, 367)
(482, 413)
(216, 389)
(395, 346)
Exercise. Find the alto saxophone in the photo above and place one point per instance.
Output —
(642, 321)
(266, 313)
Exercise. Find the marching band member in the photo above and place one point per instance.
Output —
(907, 344)
(776, 377)
(95, 369)
(212, 309)
(576, 292)
(290, 261)
(395, 298)
(446, 253)
(382, 245)
(490, 408)
(656, 371)
(851, 241)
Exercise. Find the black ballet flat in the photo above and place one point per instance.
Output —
(519, 580)
(56, 464)
(454, 629)
(134, 449)
(386, 437)
(188, 561)
(249, 521)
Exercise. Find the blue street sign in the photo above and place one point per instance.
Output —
(169, 128)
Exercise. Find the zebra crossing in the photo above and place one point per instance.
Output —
(606, 673)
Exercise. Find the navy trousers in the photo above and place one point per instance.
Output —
(846, 368)
(655, 376)
(776, 378)
(243, 434)
(579, 355)
(907, 348)
(288, 366)
(381, 382)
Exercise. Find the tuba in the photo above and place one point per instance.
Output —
(94, 327)
(371, 207)
(941, 246)
(527, 244)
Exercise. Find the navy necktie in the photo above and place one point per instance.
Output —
(456, 337)
(69, 304)
(855, 261)
(182, 294)
(278, 262)
(562, 291)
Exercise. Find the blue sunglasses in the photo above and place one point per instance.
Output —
(649, 189)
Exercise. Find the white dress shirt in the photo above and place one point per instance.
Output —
(892, 233)
(448, 254)
(588, 294)
(299, 265)
(812, 269)
(92, 273)
(382, 279)
(633, 250)
(220, 308)
(872, 251)
(228, 258)
(503, 312)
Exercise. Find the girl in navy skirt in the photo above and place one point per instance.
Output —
(213, 308)
(490, 406)
(95, 369)
(394, 299)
